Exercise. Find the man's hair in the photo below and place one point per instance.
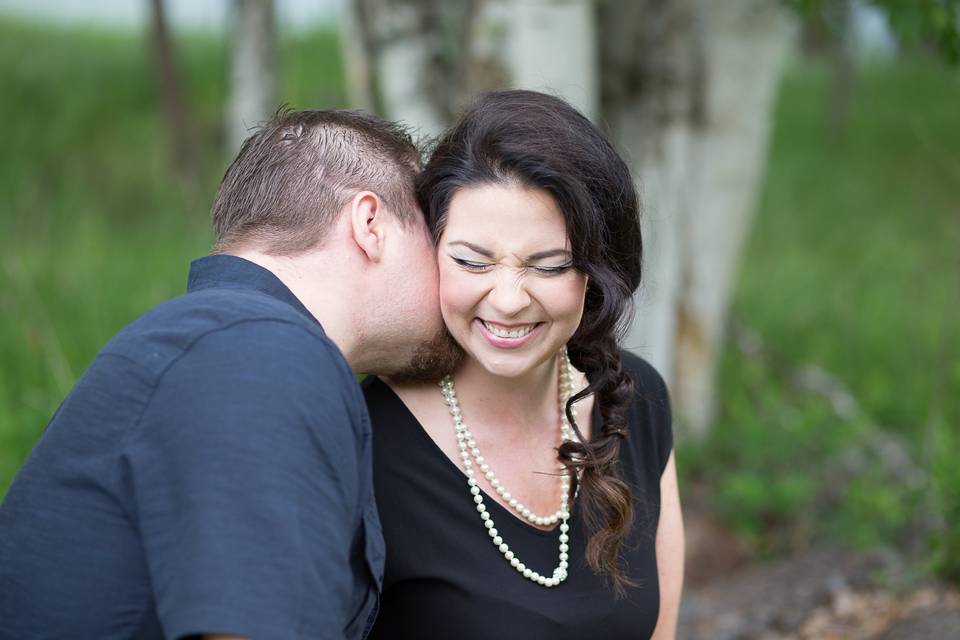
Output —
(291, 179)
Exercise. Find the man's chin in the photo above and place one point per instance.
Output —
(431, 361)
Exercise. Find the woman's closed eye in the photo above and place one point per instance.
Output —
(553, 270)
(471, 265)
(477, 266)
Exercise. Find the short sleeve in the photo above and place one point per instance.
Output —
(245, 469)
(652, 413)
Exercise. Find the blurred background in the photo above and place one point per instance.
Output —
(799, 162)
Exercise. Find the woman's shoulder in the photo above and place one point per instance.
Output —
(650, 418)
(649, 385)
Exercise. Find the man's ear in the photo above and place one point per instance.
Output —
(368, 223)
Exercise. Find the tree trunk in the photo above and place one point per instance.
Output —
(404, 70)
(745, 46)
(651, 56)
(253, 69)
(420, 61)
(170, 90)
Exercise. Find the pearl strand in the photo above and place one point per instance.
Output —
(469, 449)
(468, 443)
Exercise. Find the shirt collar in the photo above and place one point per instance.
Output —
(231, 272)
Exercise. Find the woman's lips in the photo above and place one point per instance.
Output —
(523, 333)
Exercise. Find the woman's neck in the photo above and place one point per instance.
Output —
(526, 402)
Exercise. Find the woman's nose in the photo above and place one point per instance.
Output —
(509, 294)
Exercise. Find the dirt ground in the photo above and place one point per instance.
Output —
(819, 594)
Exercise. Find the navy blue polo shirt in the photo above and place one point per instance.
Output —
(210, 472)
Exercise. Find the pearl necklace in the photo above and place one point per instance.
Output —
(468, 448)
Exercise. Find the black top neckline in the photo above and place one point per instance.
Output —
(457, 473)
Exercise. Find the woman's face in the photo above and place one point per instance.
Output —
(508, 292)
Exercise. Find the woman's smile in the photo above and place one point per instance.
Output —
(508, 336)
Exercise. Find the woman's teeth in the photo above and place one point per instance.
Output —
(516, 332)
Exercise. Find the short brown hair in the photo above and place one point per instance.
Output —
(293, 176)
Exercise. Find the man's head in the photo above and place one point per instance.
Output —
(292, 178)
(325, 200)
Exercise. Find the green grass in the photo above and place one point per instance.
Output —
(95, 229)
(853, 265)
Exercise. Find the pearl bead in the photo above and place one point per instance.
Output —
(489, 525)
(508, 555)
(497, 540)
(476, 498)
(527, 573)
(494, 534)
(514, 562)
(503, 547)
(485, 516)
(563, 557)
(564, 548)
(564, 537)
(521, 567)
(475, 490)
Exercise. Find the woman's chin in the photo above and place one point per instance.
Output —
(512, 365)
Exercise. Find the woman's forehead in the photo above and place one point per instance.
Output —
(507, 219)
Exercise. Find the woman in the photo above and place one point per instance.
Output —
(531, 494)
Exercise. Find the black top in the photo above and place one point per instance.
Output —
(209, 472)
(445, 579)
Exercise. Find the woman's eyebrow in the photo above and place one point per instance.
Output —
(533, 257)
(469, 245)
(540, 255)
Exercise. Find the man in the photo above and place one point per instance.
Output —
(209, 475)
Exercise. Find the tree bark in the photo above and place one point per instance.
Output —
(420, 61)
(745, 47)
(404, 72)
(170, 90)
(651, 57)
(253, 69)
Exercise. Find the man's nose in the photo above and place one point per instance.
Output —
(509, 295)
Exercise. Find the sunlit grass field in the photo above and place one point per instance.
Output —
(853, 267)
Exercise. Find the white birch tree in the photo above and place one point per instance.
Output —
(253, 69)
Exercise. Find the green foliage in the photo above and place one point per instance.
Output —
(852, 267)
(934, 23)
(945, 478)
(95, 229)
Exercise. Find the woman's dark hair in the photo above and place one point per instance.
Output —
(538, 141)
